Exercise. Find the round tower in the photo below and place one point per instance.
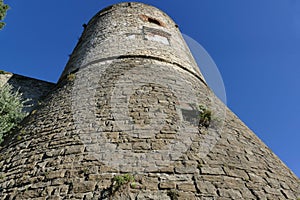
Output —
(131, 30)
(132, 118)
(136, 89)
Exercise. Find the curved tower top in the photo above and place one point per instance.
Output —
(131, 30)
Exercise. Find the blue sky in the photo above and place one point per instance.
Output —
(255, 44)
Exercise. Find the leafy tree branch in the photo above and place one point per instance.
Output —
(11, 109)
(3, 10)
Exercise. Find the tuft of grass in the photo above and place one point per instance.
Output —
(3, 72)
(71, 77)
(120, 180)
(133, 185)
(205, 116)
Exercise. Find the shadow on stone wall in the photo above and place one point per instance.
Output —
(32, 89)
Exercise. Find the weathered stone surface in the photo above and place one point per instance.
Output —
(79, 144)
(152, 196)
(31, 88)
(167, 185)
(187, 187)
(83, 186)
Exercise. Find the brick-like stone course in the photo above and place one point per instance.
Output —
(100, 125)
(31, 89)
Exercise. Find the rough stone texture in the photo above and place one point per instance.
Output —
(131, 30)
(135, 115)
(31, 88)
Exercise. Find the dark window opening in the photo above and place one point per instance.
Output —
(154, 21)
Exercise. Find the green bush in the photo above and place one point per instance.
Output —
(11, 109)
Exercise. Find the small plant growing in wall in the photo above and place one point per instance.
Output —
(71, 77)
(3, 72)
(205, 116)
(120, 183)
(121, 180)
(11, 109)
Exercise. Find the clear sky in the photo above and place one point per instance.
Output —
(255, 44)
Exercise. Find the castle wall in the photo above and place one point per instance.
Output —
(30, 88)
(137, 115)
(63, 152)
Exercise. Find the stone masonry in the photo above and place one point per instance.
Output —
(31, 89)
(130, 103)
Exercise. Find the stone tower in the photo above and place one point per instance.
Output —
(132, 118)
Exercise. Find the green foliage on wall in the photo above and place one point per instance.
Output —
(205, 116)
(120, 180)
(11, 109)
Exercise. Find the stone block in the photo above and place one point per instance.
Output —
(186, 187)
(141, 146)
(167, 185)
(212, 170)
(187, 168)
(83, 186)
(206, 187)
